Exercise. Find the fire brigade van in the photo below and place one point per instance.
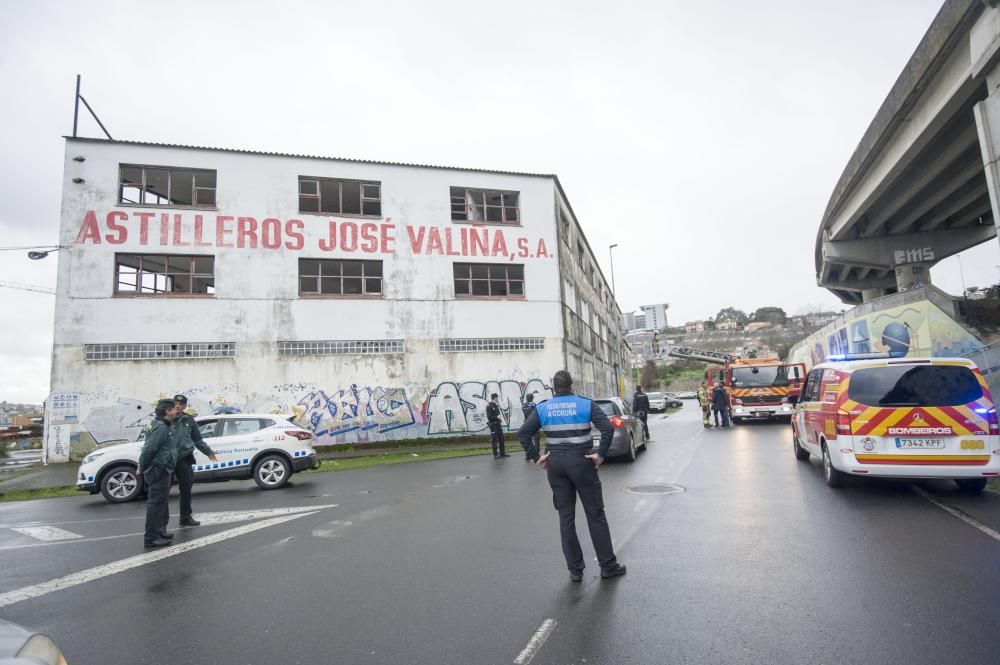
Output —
(899, 417)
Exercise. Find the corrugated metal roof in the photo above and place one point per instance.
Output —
(288, 154)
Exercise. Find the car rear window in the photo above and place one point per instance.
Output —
(654, 395)
(914, 385)
(609, 408)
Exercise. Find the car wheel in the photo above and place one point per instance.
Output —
(271, 472)
(121, 484)
(801, 453)
(630, 455)
(834, 478)
(971, 485)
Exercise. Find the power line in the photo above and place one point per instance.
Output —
(27, 287)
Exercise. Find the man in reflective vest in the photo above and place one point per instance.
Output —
(572, 470)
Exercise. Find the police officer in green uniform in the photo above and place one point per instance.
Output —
(156, 465)
(188, 437)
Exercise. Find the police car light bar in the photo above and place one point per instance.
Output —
(863, 356)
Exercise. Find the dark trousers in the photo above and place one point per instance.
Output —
(572, 474)
(157, 480)
(642, 416)
(496, 438)
(725, 417)
(185, 480)
(537, 441)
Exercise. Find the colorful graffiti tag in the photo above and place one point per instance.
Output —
(461, 407)
(344, 415)
(379, 409)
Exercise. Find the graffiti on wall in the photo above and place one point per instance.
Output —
(354, 408)
(353, 414)
(913, 329)
(461, 407)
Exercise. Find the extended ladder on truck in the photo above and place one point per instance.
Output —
(704, 355)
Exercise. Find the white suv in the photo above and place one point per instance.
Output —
(266, 447)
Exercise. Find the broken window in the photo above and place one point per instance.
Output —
(164, 274)
(338, 277)
(564, 225)
(166, 186)
(489, 280)
(340, 197)
(489, 206)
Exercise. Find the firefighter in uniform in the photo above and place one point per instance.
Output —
(188, 437)
(705, 402)
(572, 470)
(156, 466)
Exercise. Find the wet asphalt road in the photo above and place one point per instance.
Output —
(458, 561)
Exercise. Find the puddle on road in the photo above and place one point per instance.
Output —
(655, 488)
(332, 529)
(454, 481)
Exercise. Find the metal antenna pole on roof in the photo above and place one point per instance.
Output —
(76, 105)
(76, 111)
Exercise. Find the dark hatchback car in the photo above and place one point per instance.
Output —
(629, 436)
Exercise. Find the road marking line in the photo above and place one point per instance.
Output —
(207, 519)
(958, 513)
(67, 542)
(536, 642)
(47, 533)
(105, 570)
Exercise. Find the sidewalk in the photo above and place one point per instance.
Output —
(63, 475)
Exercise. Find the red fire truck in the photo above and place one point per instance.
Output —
(760, 387)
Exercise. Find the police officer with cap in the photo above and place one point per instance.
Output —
(156, 465)
(572, 470)
(188, 438)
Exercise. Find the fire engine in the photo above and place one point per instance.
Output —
(757, 387)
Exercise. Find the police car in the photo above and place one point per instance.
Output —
(899, 417)
(266, 447)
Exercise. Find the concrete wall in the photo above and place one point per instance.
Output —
(595, 353)
(343, 398)
(914, 323)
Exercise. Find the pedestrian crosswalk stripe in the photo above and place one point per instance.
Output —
(46, 533)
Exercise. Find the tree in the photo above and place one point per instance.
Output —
(649, 376)
(770, 315)
(731, 313)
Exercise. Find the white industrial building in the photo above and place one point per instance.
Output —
(373, 300)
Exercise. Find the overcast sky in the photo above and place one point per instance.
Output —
(702, 137)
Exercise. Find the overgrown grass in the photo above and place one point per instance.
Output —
(463, 442)
(349, 463)
(39, 493)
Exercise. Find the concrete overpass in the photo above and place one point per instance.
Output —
(923, 183)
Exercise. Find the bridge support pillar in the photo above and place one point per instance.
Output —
(987, 114)
(872, 294)
(912, 275)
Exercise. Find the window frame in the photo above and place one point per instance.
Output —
(192, 275)
(484, 191)
(489, 280)
(318, 196)
(344, 296)
(170, 170)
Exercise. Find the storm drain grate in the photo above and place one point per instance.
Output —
(655, 489)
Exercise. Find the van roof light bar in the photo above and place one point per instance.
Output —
(863, 356)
